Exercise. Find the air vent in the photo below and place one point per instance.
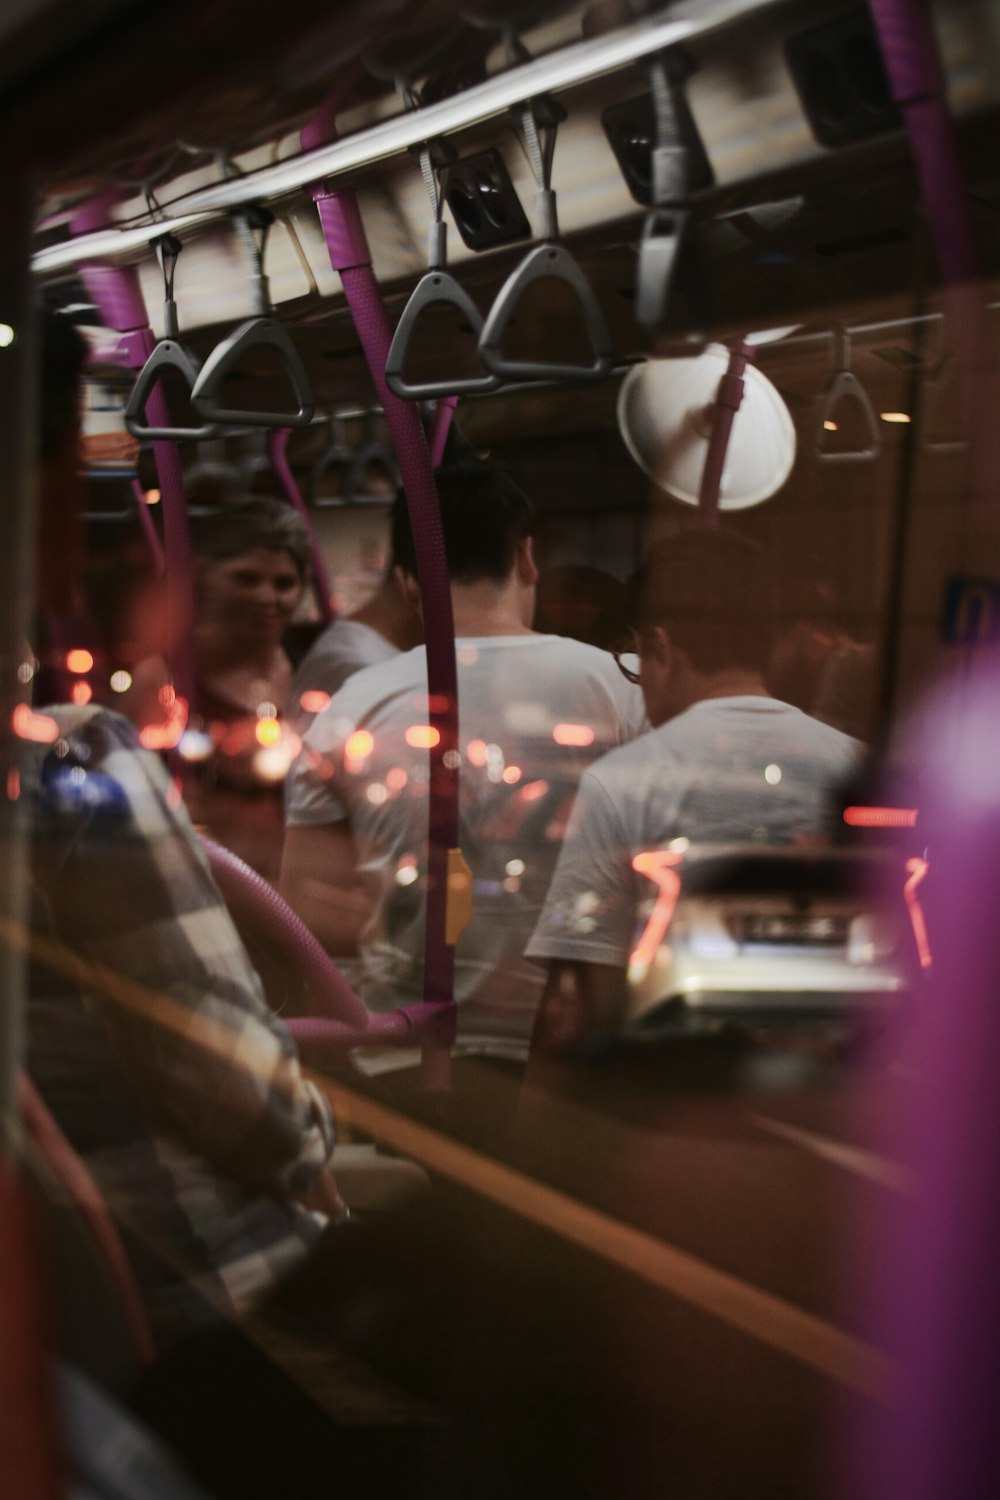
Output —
(838, 72)
(484, 201)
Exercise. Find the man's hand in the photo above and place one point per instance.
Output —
(324, 1196)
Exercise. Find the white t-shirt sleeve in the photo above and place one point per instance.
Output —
(589, 910)
(311, 795)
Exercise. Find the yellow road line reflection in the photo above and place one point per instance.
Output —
(768, 1319)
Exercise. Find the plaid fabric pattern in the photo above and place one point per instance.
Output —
(163, 1062)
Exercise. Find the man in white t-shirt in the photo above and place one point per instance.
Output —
(378, 630)
(534, 711)
(723, 764)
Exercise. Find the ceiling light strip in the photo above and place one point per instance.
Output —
(566, 68)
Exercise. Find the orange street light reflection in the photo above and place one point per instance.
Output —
(28, 725)
(314, 701)
(167, 734)
(573, 734)
(422, 736)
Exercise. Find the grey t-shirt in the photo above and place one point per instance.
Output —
(534, 712)
(728, 770)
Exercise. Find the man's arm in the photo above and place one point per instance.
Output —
(319, 880)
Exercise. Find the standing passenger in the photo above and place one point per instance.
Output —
(724, 763)
(534, 711)
(375, 632)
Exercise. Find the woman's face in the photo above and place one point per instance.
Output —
(256, 591)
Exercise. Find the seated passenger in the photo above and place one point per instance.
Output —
(534, 711)
(378, 630)
(149, 1035)
(724, 763)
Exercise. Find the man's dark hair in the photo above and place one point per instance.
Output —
(714, 594)
(62, 356)
(483, 515)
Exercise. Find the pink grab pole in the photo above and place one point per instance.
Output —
(933, 1288)
(444, 411)
(351, 257)
(277, 452)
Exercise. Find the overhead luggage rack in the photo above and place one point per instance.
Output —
(566, 68)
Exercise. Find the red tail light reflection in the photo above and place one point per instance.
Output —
(881, 817)
(916, 869)
(660, 866)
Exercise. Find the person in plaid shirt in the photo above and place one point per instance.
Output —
(149, 1034)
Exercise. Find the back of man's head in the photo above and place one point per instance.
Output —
(484, 516)
(714, 594)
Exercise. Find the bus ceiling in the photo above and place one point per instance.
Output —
(805, 196)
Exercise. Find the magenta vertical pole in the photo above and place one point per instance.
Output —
(149, 530)
(117, 294)
(444, 411)
(728, 400)
(351, 257)
(932, 1290)
(277, 452)
(919, 87)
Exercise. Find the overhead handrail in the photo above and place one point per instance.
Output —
(941, 379)
(260, 331)
(372, 452)
(353, 463)
(436, 287)
(169, 354)
(337, 457)
(548, 260)
(845, 386)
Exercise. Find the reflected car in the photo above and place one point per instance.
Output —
(761, 937)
